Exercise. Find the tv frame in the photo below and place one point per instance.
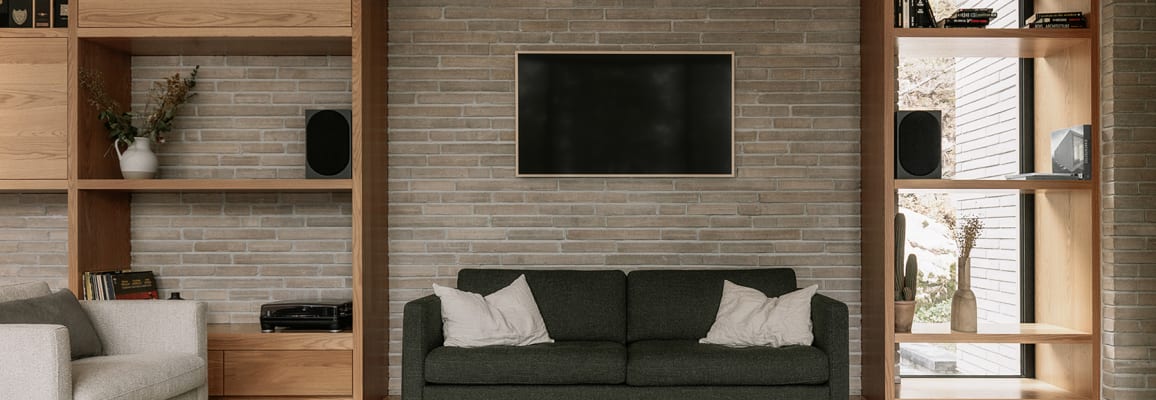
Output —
(517, 149)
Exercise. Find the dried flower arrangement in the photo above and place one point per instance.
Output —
(157, 118)
(966, 234)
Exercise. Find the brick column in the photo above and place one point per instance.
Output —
(1129, 214)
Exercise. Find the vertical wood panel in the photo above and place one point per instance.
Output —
(370, 200)
(1064, 286)
(94, 157)
(34, 108)
(216, 373)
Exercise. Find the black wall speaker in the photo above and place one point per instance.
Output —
(918, 147)
(328, 144)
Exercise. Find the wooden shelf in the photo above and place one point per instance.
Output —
(962, 42)
(222, 41)
(249, 337)
(994, 333)
(18, 185)
(33, 32)
(980, 389)
(991, 185)
(216, 185)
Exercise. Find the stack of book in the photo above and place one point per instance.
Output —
(969, 18)
(1072, 19)
(914, 14)
(119, 285)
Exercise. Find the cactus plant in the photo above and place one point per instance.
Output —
(905, 276)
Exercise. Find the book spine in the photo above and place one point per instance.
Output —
(974, 15)
(1060, 14)
(984, 21)
(1060, 19)
(1087, 174)
(1059, 25)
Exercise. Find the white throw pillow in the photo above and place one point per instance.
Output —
(746, 317)
(506, 317)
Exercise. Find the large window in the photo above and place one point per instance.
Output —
(981, 101)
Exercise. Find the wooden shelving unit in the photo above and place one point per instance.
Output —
(1067, 288)
(53, 142)
(994, 333)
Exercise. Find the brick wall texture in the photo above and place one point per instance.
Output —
(236, 251)
(1129, 199)
(455, 203)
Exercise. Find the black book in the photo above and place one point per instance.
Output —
(950, 21)
(60, 13)
(1060, 14)
(3, 14)
(42, 11)
(1058, 25)
(989, 15)
(921, 16)
(1060, 19)
(20, 13)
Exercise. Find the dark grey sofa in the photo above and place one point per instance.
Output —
(620, 336)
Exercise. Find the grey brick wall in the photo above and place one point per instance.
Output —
(455, 203)
(236, 251)
(1129, 199)
(33, 239)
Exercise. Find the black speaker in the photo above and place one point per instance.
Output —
(918, 144)
(328, 144)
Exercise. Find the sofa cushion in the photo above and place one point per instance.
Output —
(576, 305)
(21, 291)
(506, 317)
(60, 308)
(689, 363)
(137, 376)
(559, 363)
(673, 304)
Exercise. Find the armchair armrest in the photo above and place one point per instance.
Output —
(422, 332)
(149, 326)
(35, 360)
(831, 329)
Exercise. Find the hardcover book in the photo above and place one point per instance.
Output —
(19, 13)
(42, 10)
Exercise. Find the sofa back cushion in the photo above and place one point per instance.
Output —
(682, 304)
(576, 305)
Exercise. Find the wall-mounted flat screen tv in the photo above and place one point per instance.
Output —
(616, 114)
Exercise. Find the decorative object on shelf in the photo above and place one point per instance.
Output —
(137, 161)
(905, 278)
(133, 128)
(963, 312)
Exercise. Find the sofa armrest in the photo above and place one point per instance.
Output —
(35, 361)
(832, 331)
(149, 326)
(422, 332)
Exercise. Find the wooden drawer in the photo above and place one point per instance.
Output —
(288, 373)
(214, 13)
(34, 108)
(216, 373)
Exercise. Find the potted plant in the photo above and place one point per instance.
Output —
(905, 278)
(137, 131)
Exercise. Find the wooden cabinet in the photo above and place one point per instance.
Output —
(33, 107)
(214, 13)
(253, 363)
(59, 145)
(1066, 331)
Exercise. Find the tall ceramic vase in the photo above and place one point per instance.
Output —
(963, 314)
(137, 161)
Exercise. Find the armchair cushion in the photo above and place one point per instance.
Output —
(137, 376)
(21, 291)
(60, 308)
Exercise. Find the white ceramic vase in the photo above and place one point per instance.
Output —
(138, 161)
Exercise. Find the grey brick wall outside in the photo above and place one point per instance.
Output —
(1129, 199)
(455, 203)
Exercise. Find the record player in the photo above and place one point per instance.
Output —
(331, 315)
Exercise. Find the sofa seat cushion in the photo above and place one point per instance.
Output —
(137, 376)
(559, 363)
(689, 363)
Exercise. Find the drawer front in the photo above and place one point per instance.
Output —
(34, 108)
(214, 13)
(216, 373)
(288, 373)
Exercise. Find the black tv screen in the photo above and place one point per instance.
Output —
(625, 114)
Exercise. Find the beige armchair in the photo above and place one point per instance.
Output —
(152, 349)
